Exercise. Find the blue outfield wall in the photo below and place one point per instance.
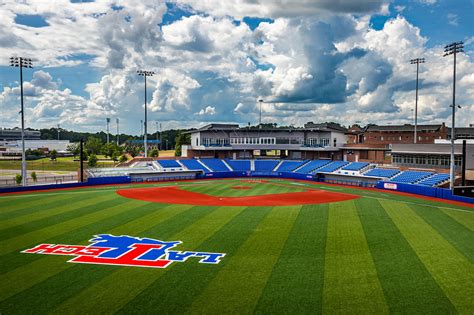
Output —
(442, 193)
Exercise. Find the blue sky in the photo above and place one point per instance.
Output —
(311, 61)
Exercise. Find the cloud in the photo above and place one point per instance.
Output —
(453, 19)
(208, 111)
(275, 9)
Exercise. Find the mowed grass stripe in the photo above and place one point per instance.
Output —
(238, 286)
(38, 236)
(451, 230)
(12, 206)
(57, 287)
(175, 291)
(452, 270)
(26, 276)
(465, 218)
(48, 212)
(350, 277)
(34, 207)
(296, 283)
(407, 284)
(128, 282)
(19, 238)
(14, 260)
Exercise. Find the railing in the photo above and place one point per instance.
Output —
(59, 179)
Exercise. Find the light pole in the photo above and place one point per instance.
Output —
(453, 49)
(59, 126)
(21, 63)
(145, 74)
(416, 61)
(118, 141)
(108, 123)
(260, 119)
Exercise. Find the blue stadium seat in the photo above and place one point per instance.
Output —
(334, 166)
(168, 163)
(289, 166)
(266, 165)
(239, 165)
(194, 165)
(355, 166)
(434, 180)
(312, 166)
(382, 172)
(410, 177)
(216, 165)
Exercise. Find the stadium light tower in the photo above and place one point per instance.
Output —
(145, 74)
(59, 127)
(416, 61)
(21, 63)
(260, 120)
(108, 123)
(118, 141)
(453, 49)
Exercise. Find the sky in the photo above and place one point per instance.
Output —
(346, 61)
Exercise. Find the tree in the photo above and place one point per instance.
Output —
(93, 145)
(34, 177)
(154, 153)
(132, 150)
(115, 156)
(18, 179)
(53, 155)
(181, 138)
(108, 149)
(74, 149)
(123, 158)
(92, 160)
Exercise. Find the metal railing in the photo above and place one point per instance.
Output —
(57, 179)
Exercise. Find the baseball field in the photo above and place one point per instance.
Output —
(290, 247)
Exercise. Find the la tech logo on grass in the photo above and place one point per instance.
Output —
(107, 249)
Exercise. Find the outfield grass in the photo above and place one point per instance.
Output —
(376, 254)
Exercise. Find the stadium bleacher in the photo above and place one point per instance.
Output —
(434, 180)
(355, 166)
(266, 165)
(215, 164)
(334, 166)
(289, 166)
(410, 177)
(382, 172)
(168, 163)
(194, 165)
(239, 165)
(312, 165)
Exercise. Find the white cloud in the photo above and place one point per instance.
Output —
(453, 19)
(208, 111)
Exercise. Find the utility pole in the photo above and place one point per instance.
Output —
(453, 49)
(260, 119)
(21, 63)
(108, 123)
(58, 131)
(118, 134)
(416, 61)
(145, 74)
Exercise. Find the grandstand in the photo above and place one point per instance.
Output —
(312, 166)
(266, 165)
(334, 166)
(168, 163)
(194, 165)
(216, 165)
(355, 166)
(410, 177)
(435, 180)
(289, 166)
(239, 165)
(382, 172)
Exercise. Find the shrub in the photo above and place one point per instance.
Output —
(34, 177)
(92, 160)
(18, 179)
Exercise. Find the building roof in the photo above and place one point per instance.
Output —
(234, 127)
(402, 128)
